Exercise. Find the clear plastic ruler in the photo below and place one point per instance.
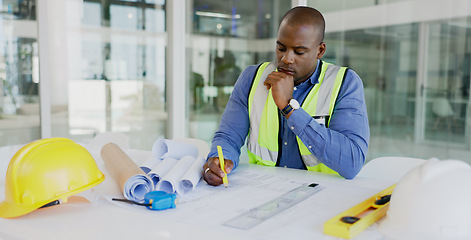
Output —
(267, 210)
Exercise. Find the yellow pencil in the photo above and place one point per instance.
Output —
(221, 162)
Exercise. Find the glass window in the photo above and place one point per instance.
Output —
(19, 68)
(385, 59)
(18, 9)
(226, 39)
(125, 17)
(416, 78)
(337, 5)
(446, 87)
(240, 19)
(106, 66)
(92, 14)
(113, 71)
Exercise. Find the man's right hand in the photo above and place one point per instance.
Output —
(281, 85)
(212, 170)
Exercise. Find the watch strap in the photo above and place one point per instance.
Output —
(285, 111)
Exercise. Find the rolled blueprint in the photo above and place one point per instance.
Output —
(149, 163)
(161, 169)
(202, 146)
(191, 178)
(132, 181)
(165, 148)
(170, 180)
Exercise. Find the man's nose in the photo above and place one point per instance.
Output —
(287, 58)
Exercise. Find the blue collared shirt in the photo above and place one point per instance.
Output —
(342, 146)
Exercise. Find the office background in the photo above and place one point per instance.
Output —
(156, 68)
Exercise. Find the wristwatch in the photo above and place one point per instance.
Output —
(293, 104)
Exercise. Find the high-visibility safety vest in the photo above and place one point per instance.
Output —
(262, 143)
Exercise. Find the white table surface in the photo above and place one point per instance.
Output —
(199, 214)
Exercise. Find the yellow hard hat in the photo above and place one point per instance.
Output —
(44, 171)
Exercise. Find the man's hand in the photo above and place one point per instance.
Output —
(212, 170)
(281, 85)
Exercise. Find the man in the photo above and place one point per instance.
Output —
(299, 112)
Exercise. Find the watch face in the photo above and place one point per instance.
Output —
(294, 104)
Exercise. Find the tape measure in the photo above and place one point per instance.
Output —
(350, 223)
(155, 200)
(265, 211)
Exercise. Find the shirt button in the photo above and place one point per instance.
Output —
(310, 146)
(286, 166)
(292, 127)
(295, 88)
(286, 143)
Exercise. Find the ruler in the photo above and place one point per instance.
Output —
(267, 210)
(350, 223)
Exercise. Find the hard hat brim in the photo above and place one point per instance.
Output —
(11, 210)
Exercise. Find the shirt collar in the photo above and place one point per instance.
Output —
(314, 78)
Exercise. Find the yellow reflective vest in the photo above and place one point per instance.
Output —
(262, 143)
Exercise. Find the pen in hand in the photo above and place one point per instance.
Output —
(221, 163)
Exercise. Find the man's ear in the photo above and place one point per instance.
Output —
(321, 50)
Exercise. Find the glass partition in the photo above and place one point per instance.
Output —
(226, 38)
(386, 60)
(113, 76)
(106, 65)
(446, 88)
(416, 78)
(19, 78)
(404, 83)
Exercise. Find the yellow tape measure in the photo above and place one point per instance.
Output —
(356, 219)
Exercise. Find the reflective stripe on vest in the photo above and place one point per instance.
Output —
(262, 143)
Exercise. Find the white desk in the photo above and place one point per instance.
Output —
(200, 213)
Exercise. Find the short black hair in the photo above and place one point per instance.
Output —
(306, 15)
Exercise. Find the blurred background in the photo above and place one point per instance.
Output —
(73, 68)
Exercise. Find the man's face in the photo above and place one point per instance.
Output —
(297, 50)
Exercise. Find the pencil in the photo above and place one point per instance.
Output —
(221, 162)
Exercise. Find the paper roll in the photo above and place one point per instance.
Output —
(133, 182)
(161, 169)
(202, 146)
(191, 178)
(165, 148)
(149, 164)
(170, 180)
